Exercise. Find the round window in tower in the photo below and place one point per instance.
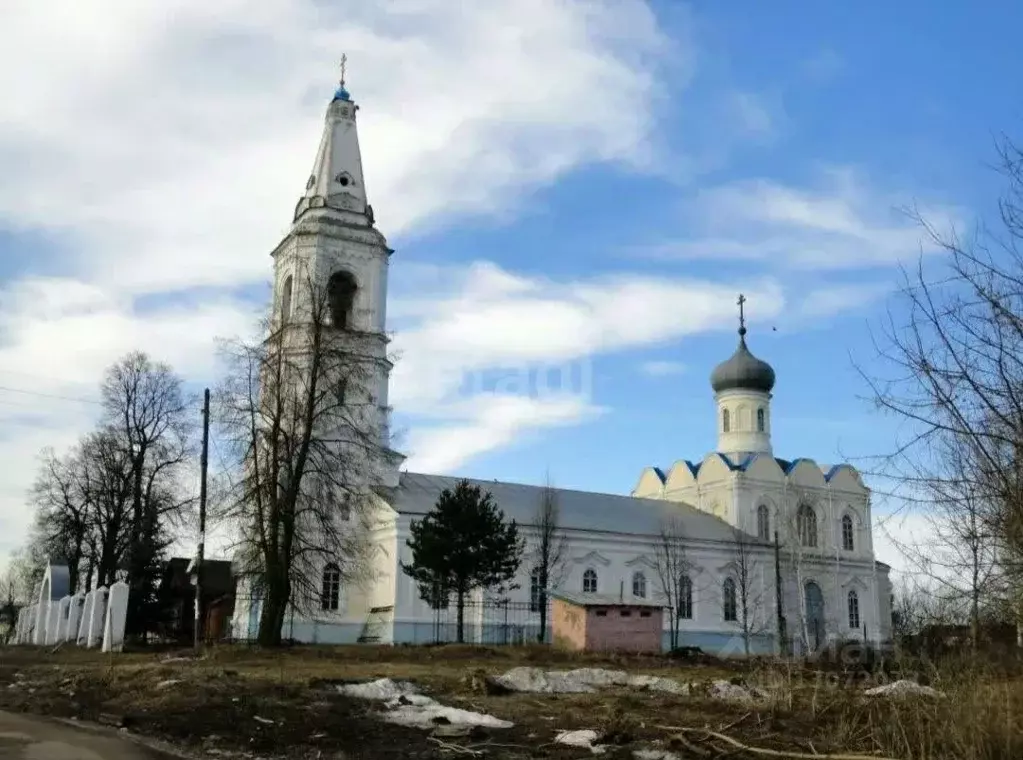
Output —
(344, 181)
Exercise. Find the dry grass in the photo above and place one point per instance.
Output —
(216, 700)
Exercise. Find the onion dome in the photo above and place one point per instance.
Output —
(742, 371)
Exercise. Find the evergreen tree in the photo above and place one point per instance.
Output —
(462, 545)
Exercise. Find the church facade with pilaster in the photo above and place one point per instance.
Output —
(790, 538)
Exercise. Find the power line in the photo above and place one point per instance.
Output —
(58, 397)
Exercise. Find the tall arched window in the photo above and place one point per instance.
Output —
(330, 595)
(848, 537)
(760, 420)
(806, 522)
(639, 585)
(729, 606)
(685, 598)
(763, 522)
(537, 593)
(286, 294)
(341, 297)
(726, 421)
(590, 581)
(815, 622)
(854, 610)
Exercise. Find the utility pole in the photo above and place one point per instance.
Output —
(782, 647)
(200, 555)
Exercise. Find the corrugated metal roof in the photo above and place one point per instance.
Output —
(603, 600)
(417, 494)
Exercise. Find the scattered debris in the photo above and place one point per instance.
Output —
(584, 739)
(264, 721)
(903, 688)
(168, 682)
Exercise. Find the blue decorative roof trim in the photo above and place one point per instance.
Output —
(834, 471)
(660, 474)
(693, 468)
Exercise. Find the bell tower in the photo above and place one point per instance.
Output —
(335, 252)
(742, 390)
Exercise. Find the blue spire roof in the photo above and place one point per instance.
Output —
(341, 94)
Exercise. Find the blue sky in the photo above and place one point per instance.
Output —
(580, 184)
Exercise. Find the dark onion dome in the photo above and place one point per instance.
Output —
(743, 371)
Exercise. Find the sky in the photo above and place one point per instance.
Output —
(576, 192)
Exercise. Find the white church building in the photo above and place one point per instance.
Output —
(806, 527)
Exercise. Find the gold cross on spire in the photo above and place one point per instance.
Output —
(742, 314)
(344, 64)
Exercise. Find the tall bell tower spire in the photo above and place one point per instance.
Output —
(335, 249)
(337, 182)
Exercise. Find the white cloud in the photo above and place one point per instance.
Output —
(841, 224)
(485, 422)
(662, 368)
(161, 147)
(170, 141)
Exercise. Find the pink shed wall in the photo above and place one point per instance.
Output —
(577, 627)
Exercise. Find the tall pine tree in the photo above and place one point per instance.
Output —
(462, 545)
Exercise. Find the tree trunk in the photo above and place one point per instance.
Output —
(275, 607)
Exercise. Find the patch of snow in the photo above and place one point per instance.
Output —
(537, 681)
(405, 706)
(381, 689)
(659, 683)
(583, 739)
(655, 754)
(168, 682)
(731, 692)
(422, 712)
(583, 681)
(903, 688)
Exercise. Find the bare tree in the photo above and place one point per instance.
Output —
(63, 519)
(297, 414)
(549, 554)
(672, 566)
(145, 408)
(956, 359)
(749, 587)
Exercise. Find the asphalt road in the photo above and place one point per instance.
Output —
(27, 738)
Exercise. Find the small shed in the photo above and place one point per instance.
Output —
(606, 623)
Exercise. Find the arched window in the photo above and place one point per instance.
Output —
(806, 522)
(685, 598)
(763, 522)
(854, 610)
(848, 537)
(760, 420)
(286, 293)
(537, 593)
(813, 599)
(590, 581)
(341, 296)
(729, 606)
(639, 585)
(330, 595)
(726, 421)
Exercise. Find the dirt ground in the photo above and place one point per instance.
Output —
(237, 701)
